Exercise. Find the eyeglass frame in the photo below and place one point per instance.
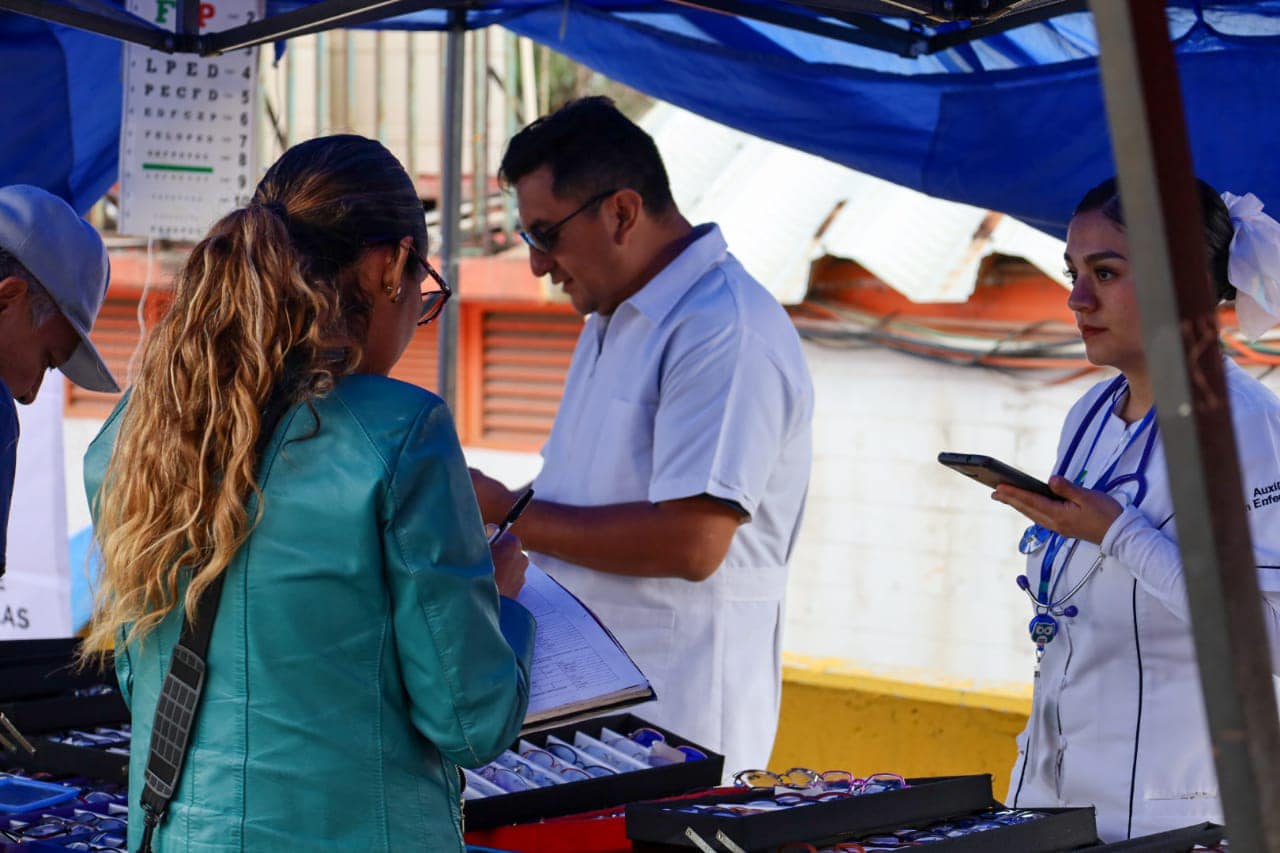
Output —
(788, 779)
(826, 780)
(544, 239)
(555, 750)
(429, 311)
(647, 737)
(557, 765)
(489, 771)
(64, 826)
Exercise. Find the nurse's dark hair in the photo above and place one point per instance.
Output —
(1218, 230)
(591, 147)
(268, 305)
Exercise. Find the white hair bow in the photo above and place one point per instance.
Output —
(1254, 265)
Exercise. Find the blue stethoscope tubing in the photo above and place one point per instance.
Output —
(1041, 600)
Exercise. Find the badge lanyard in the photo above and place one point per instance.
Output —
(1044, 624)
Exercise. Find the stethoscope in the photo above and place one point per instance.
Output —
(1044, 624)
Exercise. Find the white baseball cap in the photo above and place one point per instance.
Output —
(68, 259)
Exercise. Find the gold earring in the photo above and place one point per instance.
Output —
(393, 293)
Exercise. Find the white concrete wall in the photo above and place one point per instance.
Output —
(904, 565)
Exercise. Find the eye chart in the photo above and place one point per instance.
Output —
(188, 145)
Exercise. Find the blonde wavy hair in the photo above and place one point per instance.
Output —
(267, 307)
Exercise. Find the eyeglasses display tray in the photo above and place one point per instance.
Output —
(1204, 835)
(74, 718)
(84, 815)
(695, 768)
(922, 803)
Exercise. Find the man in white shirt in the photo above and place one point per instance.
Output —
(674, 479)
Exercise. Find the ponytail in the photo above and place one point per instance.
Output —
(244, 324)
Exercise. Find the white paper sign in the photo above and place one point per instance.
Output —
(188, 143)
(35, 592)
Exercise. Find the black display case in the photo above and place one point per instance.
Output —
(1173, 841)
(599, 793)
(926, 801)
(43, 690)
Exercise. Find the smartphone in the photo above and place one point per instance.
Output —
(992, 472)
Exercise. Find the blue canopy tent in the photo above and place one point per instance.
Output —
(973, 121)
(997, 103)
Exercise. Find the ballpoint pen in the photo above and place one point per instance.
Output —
(512, 514)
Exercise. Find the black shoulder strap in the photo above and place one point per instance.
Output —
(184, 682)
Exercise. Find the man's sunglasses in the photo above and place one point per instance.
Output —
(544, 239)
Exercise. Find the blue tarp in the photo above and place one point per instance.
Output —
(1014, 122)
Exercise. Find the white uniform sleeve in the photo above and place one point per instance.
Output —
(725, 411)
(1153, 558)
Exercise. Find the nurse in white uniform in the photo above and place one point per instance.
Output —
(1117, 720)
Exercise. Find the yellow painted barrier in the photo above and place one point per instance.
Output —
(836, 716)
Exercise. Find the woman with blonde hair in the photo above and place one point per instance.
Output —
(263, 458)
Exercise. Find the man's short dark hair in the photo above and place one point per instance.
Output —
(41, 304)
(9, 265)
(591, 148)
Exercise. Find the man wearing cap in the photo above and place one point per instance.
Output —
(53, 277)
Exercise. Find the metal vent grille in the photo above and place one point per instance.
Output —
(524, 356)
(115, 334)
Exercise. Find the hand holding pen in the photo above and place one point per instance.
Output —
(509, 561)
(513, 514)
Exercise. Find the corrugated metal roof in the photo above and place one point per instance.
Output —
(780, 209)
(1014, 237)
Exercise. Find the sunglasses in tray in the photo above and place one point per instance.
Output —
(921, 801)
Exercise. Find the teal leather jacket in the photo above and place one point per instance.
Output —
(358, 656)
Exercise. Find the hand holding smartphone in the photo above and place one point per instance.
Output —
(992, 472)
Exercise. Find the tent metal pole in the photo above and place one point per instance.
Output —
(411, 87)
(528, 81)
(96, 17)
(1180, 334)
(323, 124)
(880, 37)
(1003, 23)
(324, 15)
(188, 19)
(379, 83)
(480, 139)
(511, 123)
(451, 199)
(290, 99)
(350, 82)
